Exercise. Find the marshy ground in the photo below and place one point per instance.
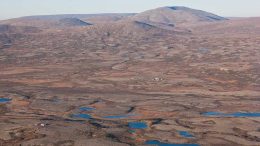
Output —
(85, 87)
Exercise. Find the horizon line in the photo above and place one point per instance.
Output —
(104, 13)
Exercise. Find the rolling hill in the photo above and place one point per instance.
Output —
(175, 16)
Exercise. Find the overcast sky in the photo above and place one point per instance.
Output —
(17, 8)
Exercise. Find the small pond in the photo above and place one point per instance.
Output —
(185, 134)
(118, 116)
(82, 116)
(4, 100)
(158, 143)
(237, 114)
(86, 108)
(137, 125)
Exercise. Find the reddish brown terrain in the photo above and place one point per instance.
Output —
(81, 80)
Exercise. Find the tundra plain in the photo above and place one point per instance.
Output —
(167, 76)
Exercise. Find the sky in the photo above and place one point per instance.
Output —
(227, 8)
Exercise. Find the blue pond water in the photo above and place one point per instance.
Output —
(87, 108)
(185, 134)
(237, 114)
(82, 116)
(158, 143)
(118, 116)
(137, 125)
(4, 100)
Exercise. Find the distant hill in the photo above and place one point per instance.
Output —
(164, 17)
(47, 21)
(72, 22)
(175, 16)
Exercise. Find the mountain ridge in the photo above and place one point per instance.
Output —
(164, 15)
